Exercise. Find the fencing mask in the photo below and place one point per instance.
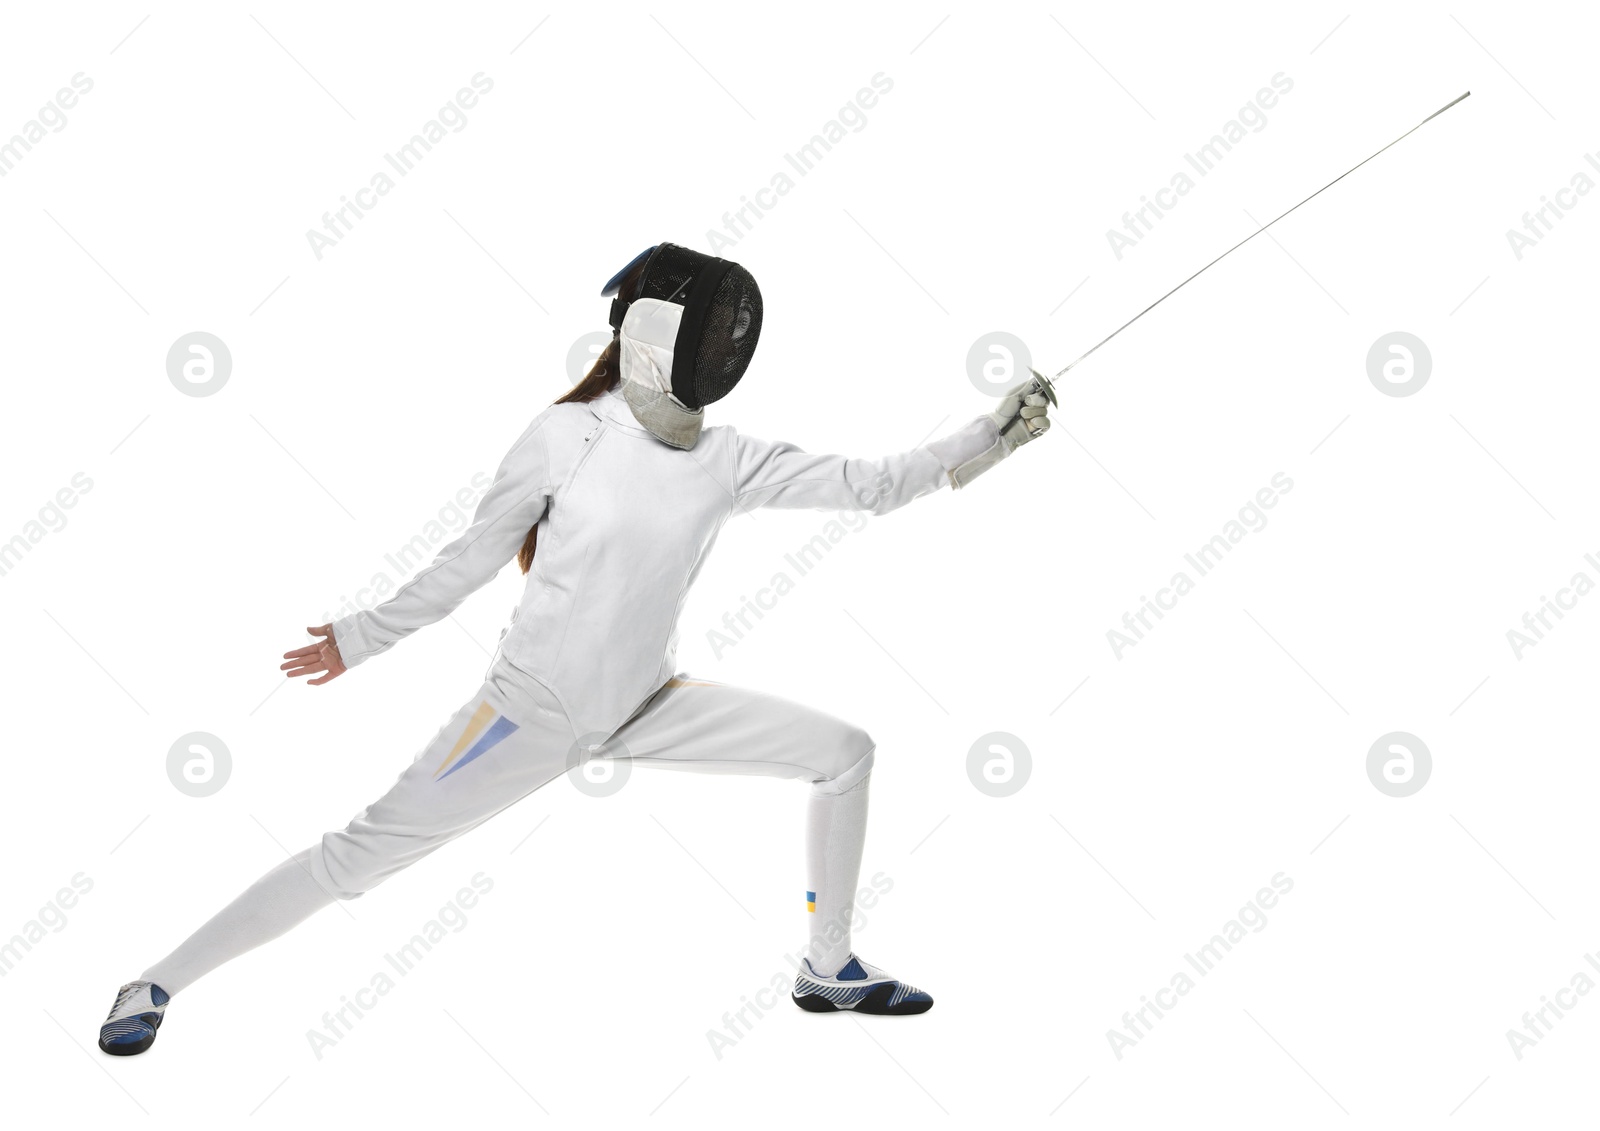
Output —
(686, 337)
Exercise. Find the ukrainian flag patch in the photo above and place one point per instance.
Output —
(811, 901)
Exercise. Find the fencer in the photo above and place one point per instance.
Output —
(610, 501)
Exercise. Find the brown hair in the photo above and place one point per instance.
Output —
(603, 375)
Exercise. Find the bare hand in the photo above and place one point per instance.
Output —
(322, 656)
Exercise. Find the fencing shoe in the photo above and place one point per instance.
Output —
(131, 1025)
(860, 988)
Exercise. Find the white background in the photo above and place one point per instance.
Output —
(369, 386)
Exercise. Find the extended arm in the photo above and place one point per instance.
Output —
(515, 501)
(776, 474)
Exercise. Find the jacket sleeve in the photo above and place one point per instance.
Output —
(515, 501)
(775, 474)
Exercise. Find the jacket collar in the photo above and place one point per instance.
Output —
(611, 406)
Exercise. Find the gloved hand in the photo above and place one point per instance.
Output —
(1020, 416)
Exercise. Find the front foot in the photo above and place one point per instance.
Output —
(858, 988)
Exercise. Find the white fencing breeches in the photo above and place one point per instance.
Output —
(513, 737)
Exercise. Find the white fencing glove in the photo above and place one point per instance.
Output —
(1020, 416)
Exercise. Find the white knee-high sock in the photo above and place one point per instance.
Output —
(836, 829)
(279, 900)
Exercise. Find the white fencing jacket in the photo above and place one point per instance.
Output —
(625, 522)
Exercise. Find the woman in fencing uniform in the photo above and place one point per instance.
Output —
(610, 501)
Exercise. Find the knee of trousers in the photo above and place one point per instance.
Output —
(850, 767)
(347, 865)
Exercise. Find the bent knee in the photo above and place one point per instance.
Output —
(850, 764)
(345, 866)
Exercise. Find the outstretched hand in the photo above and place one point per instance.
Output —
(322, 656)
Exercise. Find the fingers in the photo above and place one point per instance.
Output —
(1034, 416)
(330, 670)
(1029, 428)
(318, 656)
(324, 630)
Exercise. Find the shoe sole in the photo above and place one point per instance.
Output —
(876, 1002)
(132, 1049)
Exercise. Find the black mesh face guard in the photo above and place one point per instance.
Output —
(729, 325)
(720, 325)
